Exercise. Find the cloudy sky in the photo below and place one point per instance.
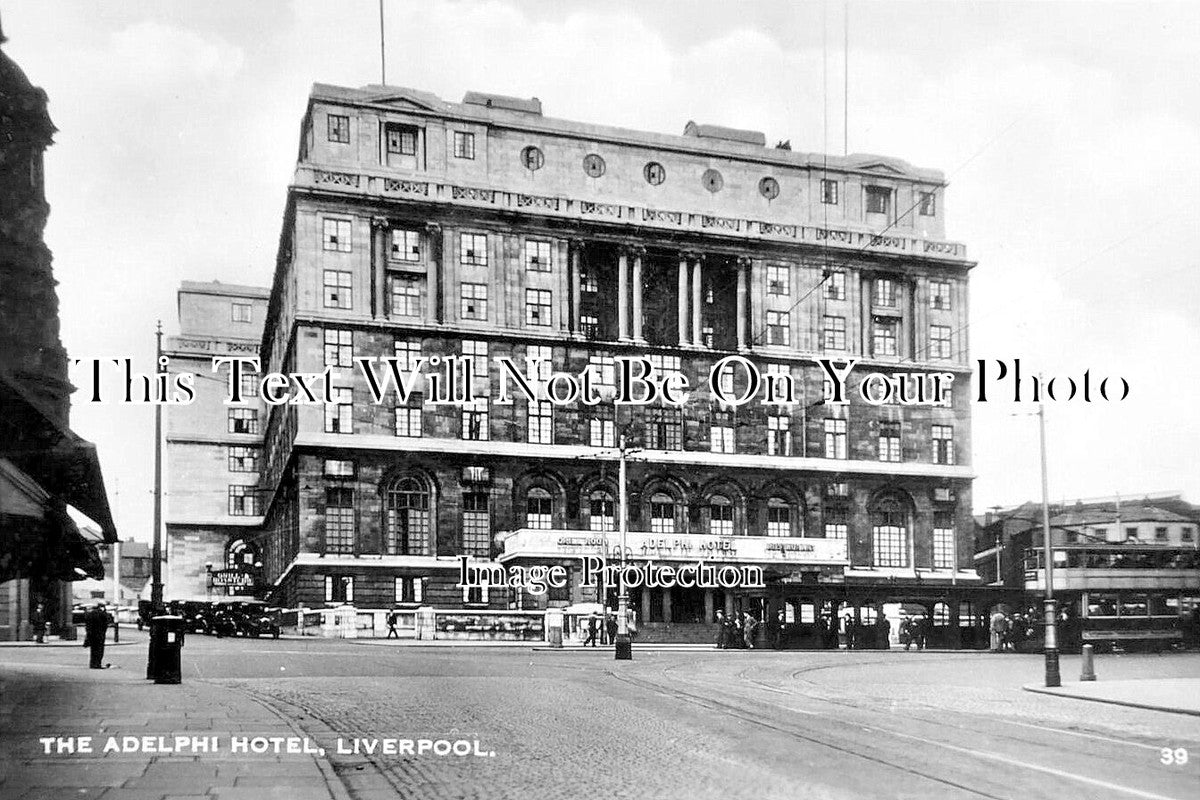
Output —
(1069, 134)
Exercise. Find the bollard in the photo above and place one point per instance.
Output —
(1087, 671)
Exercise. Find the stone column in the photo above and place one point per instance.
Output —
(666, 604)
(435, 281)
(623, 295)
(379, 255)
(743, 265)
(574, 276)
(684, 339)
(708, 605)
(636, 280)
(697, 302)
(644, 614)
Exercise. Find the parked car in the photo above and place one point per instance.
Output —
(256, 625)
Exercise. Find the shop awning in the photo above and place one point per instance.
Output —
(63, 464)
(37, 537)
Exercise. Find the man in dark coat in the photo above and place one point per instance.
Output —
(722, 631)
(95, 625)
(593, 629)
(610, 625)
(39, 623)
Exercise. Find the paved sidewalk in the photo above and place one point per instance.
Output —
(1174, 695)
(54, 699)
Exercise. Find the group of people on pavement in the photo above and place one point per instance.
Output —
(913, 630)
(1009, 631)
(736, 633)
(603, 629)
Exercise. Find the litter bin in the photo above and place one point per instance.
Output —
(166, 639)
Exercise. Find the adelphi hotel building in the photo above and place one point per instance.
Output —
(482, 229)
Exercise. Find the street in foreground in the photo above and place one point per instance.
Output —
(577, 724)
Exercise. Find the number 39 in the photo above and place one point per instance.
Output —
(1173, 756)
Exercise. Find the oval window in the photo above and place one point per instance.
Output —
(655, 173)
(712, 180)
(593, 165)
(532, 158)
(768, 188)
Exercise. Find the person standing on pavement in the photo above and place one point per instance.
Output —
(95, 625)
(610, 625)
(112, 620)
(39, 623)
(780, 623)
(749, 626)
(593, 628)
(999, 629)
(722, 631)
(391, 623)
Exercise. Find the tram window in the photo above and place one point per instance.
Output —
(1102, 605)
(1162, 606)
(1134, 605)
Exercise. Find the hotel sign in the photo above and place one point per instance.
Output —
(527, 543)
(232, 577)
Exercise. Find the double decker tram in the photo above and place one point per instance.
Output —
(1126, 596)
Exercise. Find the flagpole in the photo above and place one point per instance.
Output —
(382, 51)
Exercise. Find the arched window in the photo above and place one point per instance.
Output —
(720, 516)
(889, 520)
(662, 513)
(601, 511)
(779, 517)
(406, 524)
(539, 509)
(241, 555)
(941, 614)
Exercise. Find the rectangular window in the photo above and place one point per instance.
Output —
(883, 337)
(541, 422)
(778, 280)
(401, 140)
(725, 379)
(835, 286)
(720, 432)
(664, 429)
(539, 510)
(939, 295)
(242, 312)
(602, 512)
(885, 293)
(475, 420)
(476, 595)
(604, 372)
(588, 281)
(537, 255)
(477, 351)
(835, 438)
(889, 441)
(927, 204)
(407, 352)
(338, 128)
(338, 468)
(662, 517)
(537, 307)
(836, 525)
(408, 421)
(339, 519)
(339, 348)
(1185, 534)
(891, 546)
(589, 326)
(834, 333)
(243, 502)
(243, 459)
(337, 235)
(1160, 534)
(338, 289)
(943, 540)
(779, 328)
(476, 524)
(339, 415)
(779, 435)
(464, 145)
(410, 590)
(665, 366)
(879, 200)
(939, 341)
(473, 249)
(243, 420)
(339, 589)
(249, 385)
(406, 245)
(601, 433)
(943, 444)
(474, 300)
(779, 519)
(829, 192)
(706, 335)
(539, 362)
(406, 296)
(1131, 534)
(720, 519)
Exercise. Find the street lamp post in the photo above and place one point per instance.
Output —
(156, 586)
(1052, 674)
(624, 644)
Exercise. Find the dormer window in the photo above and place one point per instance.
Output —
(400, 145)
(879, 200)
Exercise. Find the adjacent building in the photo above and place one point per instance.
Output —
(213, 447)
(417, 227)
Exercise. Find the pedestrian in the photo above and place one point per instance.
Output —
(722, 631)
(906, 631)
(919, 631)
(610, 623)
(780, 622)
(849, 632)
(392, 618)
(112, 620)
(999, 628)
(883, 630)
(95, 624)
(749, 626)
(39, 623)
(593, 628)
(733, 638)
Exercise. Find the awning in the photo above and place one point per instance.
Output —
(61, 462)
(37, 537)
